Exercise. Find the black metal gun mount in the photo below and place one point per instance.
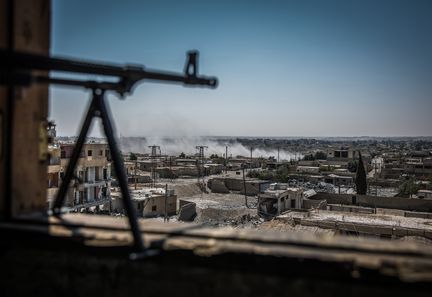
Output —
(17, 69)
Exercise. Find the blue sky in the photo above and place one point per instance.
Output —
(286, 68)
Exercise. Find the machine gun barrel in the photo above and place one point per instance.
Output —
(128, 75)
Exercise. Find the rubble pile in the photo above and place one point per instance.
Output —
(317, 187)
(237, 218)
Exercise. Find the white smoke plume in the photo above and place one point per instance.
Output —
(175, 146)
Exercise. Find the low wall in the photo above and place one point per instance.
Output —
(320, 204)
(351, 208)
(218, 186)
(190, 260)
(422, 205)
(225, 185)
(422, 215)
(187, 211)
(252, 189)
(363, 228)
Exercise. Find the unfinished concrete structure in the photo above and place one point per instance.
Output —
(424, 194)
(53, 173)
(251, 186)
(341, 154)
(307, 169)
(148, 202)
(420, 167)
(362, 222)
(277, 199)
(93, 175)
(339, 180)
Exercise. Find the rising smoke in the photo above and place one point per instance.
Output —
(174, 146)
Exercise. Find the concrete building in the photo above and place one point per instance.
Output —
(307, 169)
(278, 199)
(339, 180)
(93, 172)
(342, 154)
(424, 194)
(392, 167)
(53, 174)
(149, 164)
(418, 166)
(237, 185)
(148, 202)
(130, 167)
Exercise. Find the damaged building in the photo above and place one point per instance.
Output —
(279, 198)
(148, 202)
(250, 186)
(93, 175)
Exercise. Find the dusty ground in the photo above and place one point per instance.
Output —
(230, 210)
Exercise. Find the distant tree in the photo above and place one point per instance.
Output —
(282, 174)
(216, 159)
(133, 157)
(361, 182)
(408, 188)
(182, 155)
(309, 157)
(352, 166)
(320, 155)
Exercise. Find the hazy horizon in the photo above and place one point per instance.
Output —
(256, 136)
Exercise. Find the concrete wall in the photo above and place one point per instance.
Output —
(218, 186)
(148, 211)
(252, 188)
(308, 204)
(225, 185)
(187, 211)
(422, 215)
(380, 202)
(351, 208)
(363, 228)
(159, 203)
(234, 184)
(223, 262)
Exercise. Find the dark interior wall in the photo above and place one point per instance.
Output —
(3, 44)
(37, 266)
(25, 27)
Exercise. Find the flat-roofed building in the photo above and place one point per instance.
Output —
(148, 202)
(92, 184)
(275, 201)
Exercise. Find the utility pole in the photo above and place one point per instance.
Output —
(226, 159)
(135, 173)
(200, 163)
(251, 149)
(278, 153)
(170, 168)
(244, 186)
(166, 198)
(153, 156)
(376, 181)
